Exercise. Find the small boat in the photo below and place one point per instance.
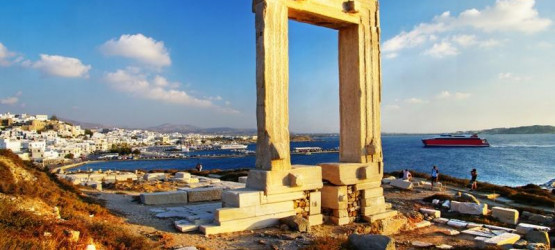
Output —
(448, 140)
(232, 146)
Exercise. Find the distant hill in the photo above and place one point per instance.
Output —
(86, 125)
(184, 128)
(535, 129)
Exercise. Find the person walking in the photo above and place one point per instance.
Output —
(473, 182)
(435, 175)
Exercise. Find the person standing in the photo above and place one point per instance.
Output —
(435, 175)
(407, 175)
(473, 182)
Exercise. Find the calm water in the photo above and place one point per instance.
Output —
(511, 160)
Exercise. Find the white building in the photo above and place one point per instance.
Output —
(11, 144)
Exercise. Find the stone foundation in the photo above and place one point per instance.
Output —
(291, 192)
(353, 192)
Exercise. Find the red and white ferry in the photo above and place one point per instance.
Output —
(448, 140)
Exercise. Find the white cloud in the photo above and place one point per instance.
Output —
(138, 47)
(461, 95)
(443, 95)
(506, 16)
(132, 80)
(11, 100)
(415, 100)
(457, 95)
(443, 49)
(465, 40)
(508, 76)
(5, 54)
(55, 65)
(392, 107)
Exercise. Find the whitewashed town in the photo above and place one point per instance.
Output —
(48, 140)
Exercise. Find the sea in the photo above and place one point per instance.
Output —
(512, 160)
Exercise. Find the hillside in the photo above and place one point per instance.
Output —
(536, 129)
(37, 211)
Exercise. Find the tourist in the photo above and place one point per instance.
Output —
(199, 167)
(407, 176)
(473, 182)
(435, 175)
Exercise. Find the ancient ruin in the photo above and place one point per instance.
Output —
(342, 191)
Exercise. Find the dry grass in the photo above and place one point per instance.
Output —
(23, 228)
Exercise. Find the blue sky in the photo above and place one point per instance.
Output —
(447, 65)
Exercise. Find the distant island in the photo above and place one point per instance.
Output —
(535, 129)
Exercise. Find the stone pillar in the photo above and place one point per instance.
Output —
(272, 83)
(359, 90)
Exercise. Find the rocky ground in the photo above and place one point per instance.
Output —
(142, 220)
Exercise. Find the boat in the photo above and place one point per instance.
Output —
(232, 146)
(448, 140)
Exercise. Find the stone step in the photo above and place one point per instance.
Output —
(245, 224)
(380, 216)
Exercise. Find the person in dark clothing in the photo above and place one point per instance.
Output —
(473, 182)
(435, 175)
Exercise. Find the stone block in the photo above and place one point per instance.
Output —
(334, 196)
(182, 175)
(440, 220)
(474, 225)
(160, 198)
(469, 208)
(457, 223)
(367, 185)
(449, 232)
(538, 218)
(315, 219)
(154, 176)
(422, 224)
(315, 203)
(506, 215)
(340, 213)
(272, 198)
(245, 224)
(388, 179)
(371, 193)
(191, 181)
(341, 221)
(402, 184)
(243, 179)
(431, 212)
(351, 173)
(279, 181)
(506, 229)
(204, 194)
(185, 226)
(503, 239)
(373, 202)
(380, 216)
(371, 210)
(480, 232)
(524, 228)
(538, 237)
(234, 213)
(242, 197)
